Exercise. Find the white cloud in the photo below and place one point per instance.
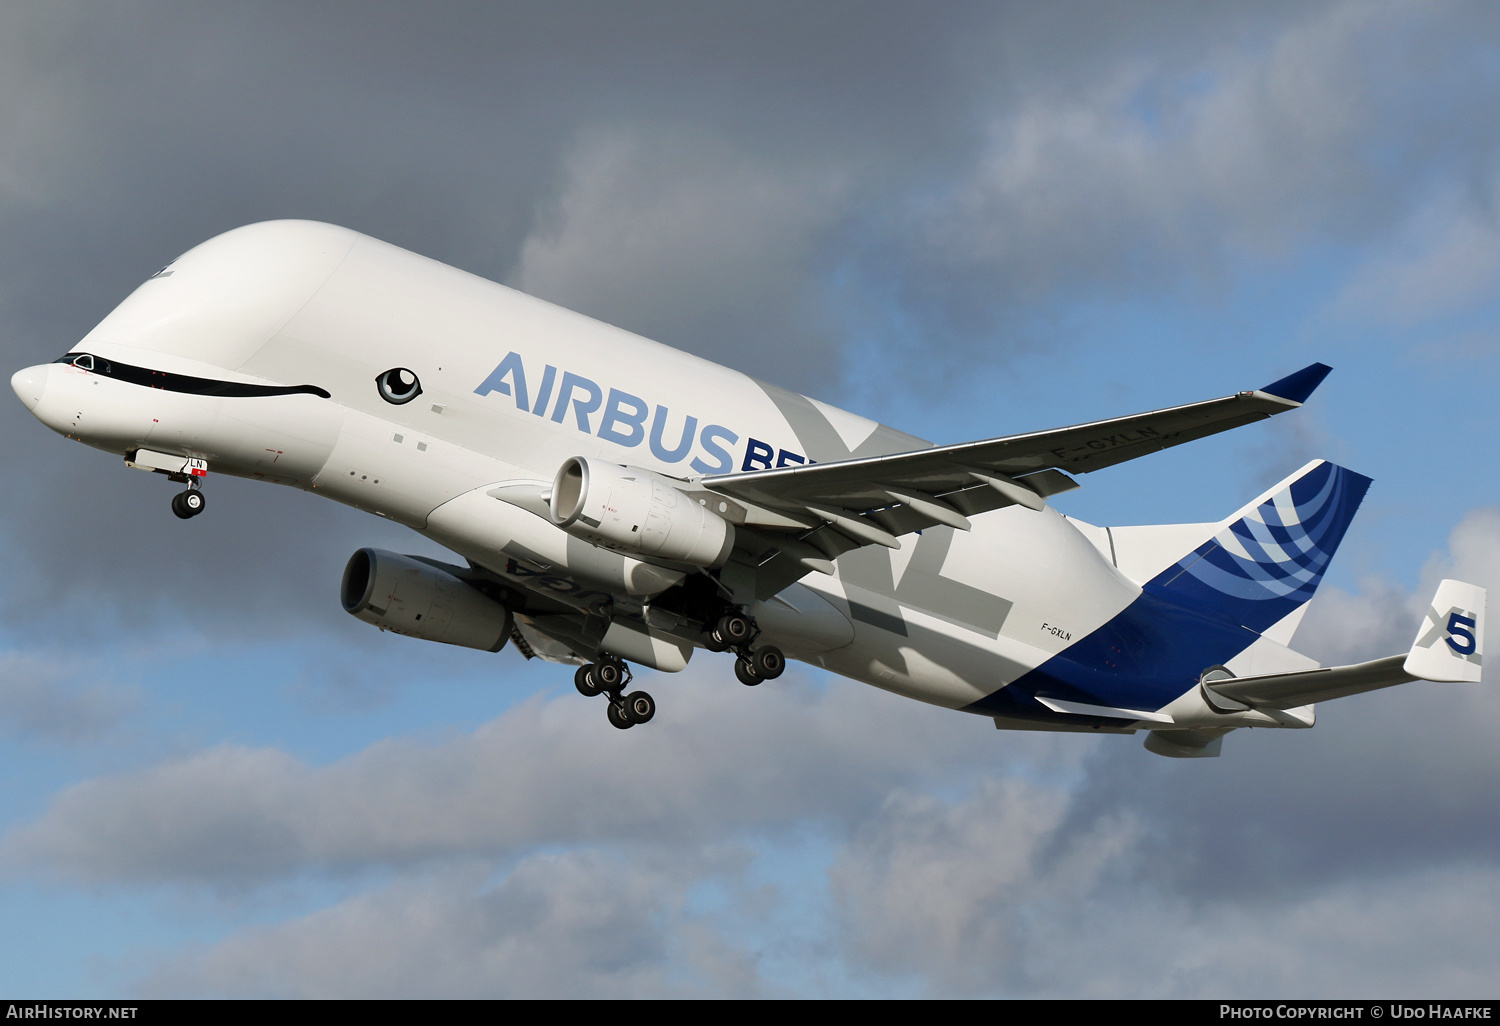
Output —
(987, 895)
(717, 759)
(939, 888)
(1161, 168)
(1473, 555)
(1383, 618)
(1446, 260)
(581, 924)
(40, 697)
(693, 241)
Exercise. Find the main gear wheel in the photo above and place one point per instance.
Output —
(608, 675)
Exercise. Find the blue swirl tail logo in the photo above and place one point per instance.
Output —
(1269, 561)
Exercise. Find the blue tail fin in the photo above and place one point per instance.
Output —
(1267, 559)
(1254, 570)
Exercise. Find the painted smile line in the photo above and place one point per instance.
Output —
(184, 382)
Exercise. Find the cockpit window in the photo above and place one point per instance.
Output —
(88, 362)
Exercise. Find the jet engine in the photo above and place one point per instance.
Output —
(419, 599)
(633, 510)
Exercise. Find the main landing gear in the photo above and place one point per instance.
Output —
(609, 676)
(190, 503)
(737, 632)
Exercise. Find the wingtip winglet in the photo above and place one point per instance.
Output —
(1297, 386)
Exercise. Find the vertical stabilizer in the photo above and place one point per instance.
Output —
(1450, 644)
(1264, 562)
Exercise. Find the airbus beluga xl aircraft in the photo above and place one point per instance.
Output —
(614, 502)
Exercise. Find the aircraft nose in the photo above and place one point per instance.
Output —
(29, 384)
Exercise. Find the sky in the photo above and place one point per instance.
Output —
(964, 220)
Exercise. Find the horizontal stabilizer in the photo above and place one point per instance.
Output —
(1290, 690)
(1448, 649)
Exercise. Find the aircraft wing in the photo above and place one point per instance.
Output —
(834, 507)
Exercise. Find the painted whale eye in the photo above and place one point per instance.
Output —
(398, 385)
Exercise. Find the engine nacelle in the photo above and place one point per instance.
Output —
(404, 595)
(633, 510)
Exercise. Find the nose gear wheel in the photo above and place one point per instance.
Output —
(189, 504)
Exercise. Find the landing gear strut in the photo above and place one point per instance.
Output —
(609, 676)
(736, 631)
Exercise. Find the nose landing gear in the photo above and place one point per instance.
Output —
(609, 676)
(188, 470)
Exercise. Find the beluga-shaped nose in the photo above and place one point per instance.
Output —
(29, 383)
